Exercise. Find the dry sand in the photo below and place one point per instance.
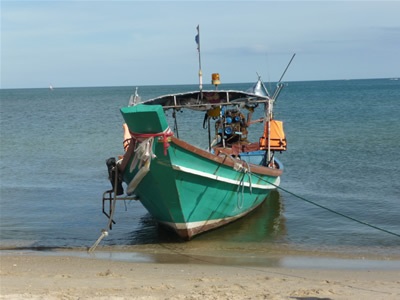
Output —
(64, 276)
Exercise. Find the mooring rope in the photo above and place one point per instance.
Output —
(330, 210)
(240, 195)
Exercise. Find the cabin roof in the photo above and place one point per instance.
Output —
(203, 100)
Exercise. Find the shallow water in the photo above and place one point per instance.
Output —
(342, 154)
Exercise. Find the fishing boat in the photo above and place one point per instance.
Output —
(193, 189)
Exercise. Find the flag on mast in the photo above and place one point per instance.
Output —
(197, 38)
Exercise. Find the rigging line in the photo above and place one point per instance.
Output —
(330, 210)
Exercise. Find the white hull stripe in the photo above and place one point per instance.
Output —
(265, 186)
(191, 225)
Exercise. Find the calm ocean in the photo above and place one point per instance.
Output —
(343, 154)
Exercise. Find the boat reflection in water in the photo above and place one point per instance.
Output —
(264, 224)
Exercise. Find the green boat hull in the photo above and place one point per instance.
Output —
(186, 188)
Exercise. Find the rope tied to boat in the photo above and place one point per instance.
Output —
(163, 136)
(248, 172)
(144, 154)
(239, 166)
(329, 209)
(245, 170)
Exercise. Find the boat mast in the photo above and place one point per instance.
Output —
(269, 118)
(197, 39)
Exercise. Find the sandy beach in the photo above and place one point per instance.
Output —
(29, 275)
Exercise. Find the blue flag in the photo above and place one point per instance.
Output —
(197, 38)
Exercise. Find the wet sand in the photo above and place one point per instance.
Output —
(161, 274)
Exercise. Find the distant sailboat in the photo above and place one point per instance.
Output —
(51, 87)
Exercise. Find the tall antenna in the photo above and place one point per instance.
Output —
(280, 85)
(280, 79)
(197, 39)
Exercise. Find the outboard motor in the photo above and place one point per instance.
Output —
(111, 165)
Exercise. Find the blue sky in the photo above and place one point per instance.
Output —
(133, 43)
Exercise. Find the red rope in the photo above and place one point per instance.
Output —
(165, 135)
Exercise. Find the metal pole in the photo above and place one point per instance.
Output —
(287, 67)
(269, 130)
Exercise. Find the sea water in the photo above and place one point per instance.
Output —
(342, 170)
